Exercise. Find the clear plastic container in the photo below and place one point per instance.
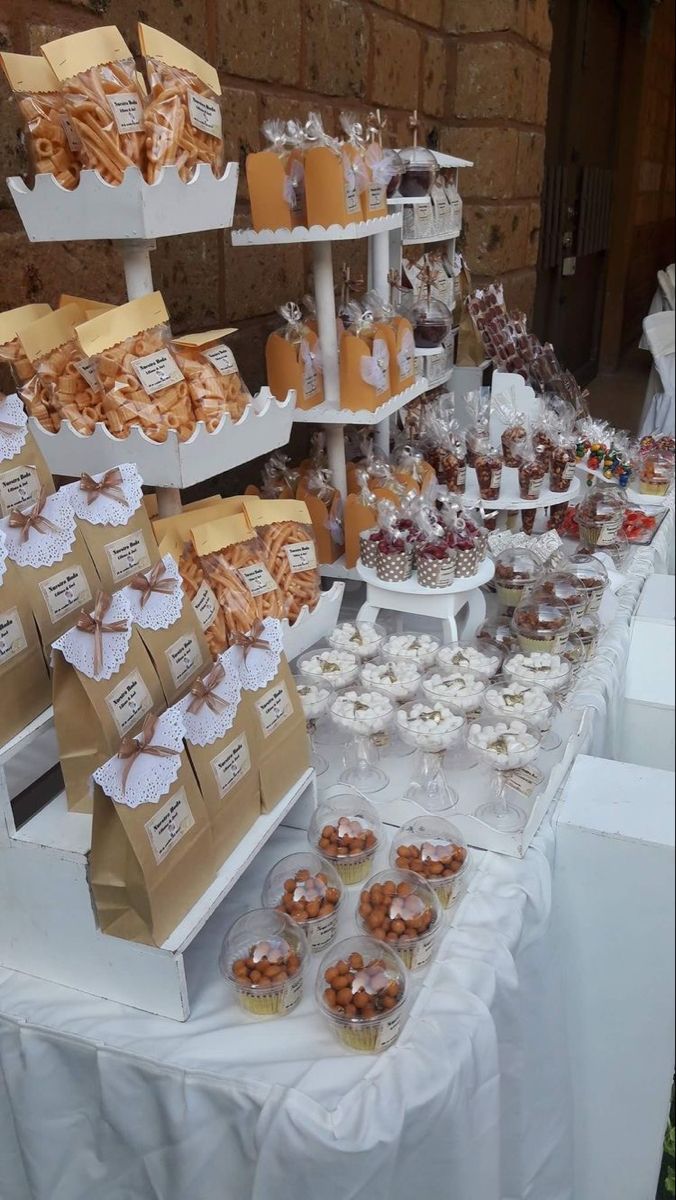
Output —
(315, 699)
(432, 321)
(361, 638)
(419, 648)
(499, 633)
(548, 671)
(600, 517)
(429, 725)
(504, 745)
(589, 631)
(462, 691)
(326, 665)
(540, 625)
(366, 1012)
(364, 716)
(419, 171)
(592, 575)
(432, 847)
(345, 832)
(656, 473)
(401, 909)
(562, 590)
(309, 891)
(527, 702)
(262, 957)
(399, 679)
(467, 656)
(516, 570)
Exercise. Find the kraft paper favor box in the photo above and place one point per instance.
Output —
(25, 686)
(221, 738)
(152, 855)
(364, 368)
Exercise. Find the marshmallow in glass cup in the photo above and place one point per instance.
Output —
(548, 671)
(432, 847)
(364, 716)
(315, 698)
(329, 666)
(361, 638)
(430, 726)
(504, 745)
(483, 663)
(419, 648)
(528, 702)
(462, 691)
(398, 678)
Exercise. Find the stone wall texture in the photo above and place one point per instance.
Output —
(477, 71)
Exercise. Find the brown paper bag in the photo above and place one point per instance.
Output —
(168, 627)
(23, 470)
(92, 715)
(114, 523)
(364, 371)
(283, 748)
(226, 766)
(149, 865)
(331, 191)
(25, 687)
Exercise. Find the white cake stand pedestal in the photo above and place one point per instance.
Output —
(443, 603)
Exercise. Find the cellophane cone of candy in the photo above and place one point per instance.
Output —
(531, 475)
(447, 452)
(557, 515)
(562, 463)
(528, 519)
(477, 440)
(514, 436)
(488, 466)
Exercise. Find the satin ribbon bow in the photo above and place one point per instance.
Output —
(252, 640)
(132, 747)
(203, 692)
(110, 486)
(32, 518)
(94, 623)
(153, 582)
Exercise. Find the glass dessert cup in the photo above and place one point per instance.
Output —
(562, 588)
(361, 638)
(480, 661)
(529, 703)
(364, 716)
(399, 680)
(432, 847)
(420, 648)
(503, 746)
(551, 673)
(262, 958)
(345, 832)
(463, 693)
(327, 666)
(600, 517)
(432, 321)
(309, 891)
(361, 989)
(430, 727)
(315, 699)
(419, 169)
(515, 573)
(401, 909)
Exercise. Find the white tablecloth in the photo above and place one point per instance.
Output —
(100, 1102)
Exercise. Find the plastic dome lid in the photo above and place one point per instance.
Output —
(558, 587)
(589, 627)
(395, 903)
(300, 882)
(603, 505)
(433, 842)
(540, 619)
(262, 937)
(353, 821)
(588, 570)
(517, 565)
(363, 965)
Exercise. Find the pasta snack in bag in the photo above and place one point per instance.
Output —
(51, 143)
(292, 359)
(103, 99)
(141, 382)
(183, 121)
(13, 353)
(235, 566)
(285, 529)
(70, 390)
(174, 537)
(215, 386)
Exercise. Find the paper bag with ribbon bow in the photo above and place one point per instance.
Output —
(221, 738)
(113, 521)
(25, 687)
(168, 626)
(292, 360)
(152, 854)
(331, 183)
(23, 470)
(104, 686)
(364, 363)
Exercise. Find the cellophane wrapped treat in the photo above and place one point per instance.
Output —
(324, 504)
(235, 563)
(48, 134)
(364, 363)
(103, 98)
(69, 389)
(371, 167)
(279, 479)
(141, 382)
(215, 386)
(183, 122)
(174, 537)
(285, 530)
(276, 177)
(331, 186)
(293, 360)
(12, 353)
(514, 436)
(477, 403)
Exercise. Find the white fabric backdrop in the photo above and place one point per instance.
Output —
(100, 1102)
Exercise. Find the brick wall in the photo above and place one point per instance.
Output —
(477, 70)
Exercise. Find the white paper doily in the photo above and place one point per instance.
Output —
(204, 727)
(162, 609)
(42, 549)
(3, 555)
(542, 545)
(259, 667)
(103, 510)
(150, 775)
(77, 646)
(12, 412)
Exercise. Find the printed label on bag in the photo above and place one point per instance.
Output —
(127, 555)
(568, 472)
(352, 204)
(12, 636)
(205, 606)
(292, 994)
(72, 137)
(257, 578)
(184, 659)
(87, 370)
(376, 196)
(321, 932)
(128, 702)
(423, 219)
(388, 1031)
(534, 488)
(274, 708)
(496, 478)
(461, 477)
(607, 536)
(169, 824)
(310, 376)
(231, 764)
(205, 114)
(127, 111)
(302, 557)
(156, 371)
(523, 780)
(222, 358)
(64, 592)
(18, 486)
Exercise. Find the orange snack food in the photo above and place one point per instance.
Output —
(69, 388)
(233, 561)
(50, 140)
(359, 989)
(285, 529)
(215, 385)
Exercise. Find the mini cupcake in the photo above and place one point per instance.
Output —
(541, 626)
(309, 891)
(345, 832)
(361, 989)
(400, 908)
(516, 570)
(262, 957)
(433, 848)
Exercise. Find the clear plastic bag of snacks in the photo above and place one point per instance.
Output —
(183, 122)
(50, 143)
(285, 531)
(70, 390)
(209, 367)
(234, 563)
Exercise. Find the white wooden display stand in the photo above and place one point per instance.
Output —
(614, 924)
(49, 927)
(313, 625)
(441, 603)
(647, 735)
